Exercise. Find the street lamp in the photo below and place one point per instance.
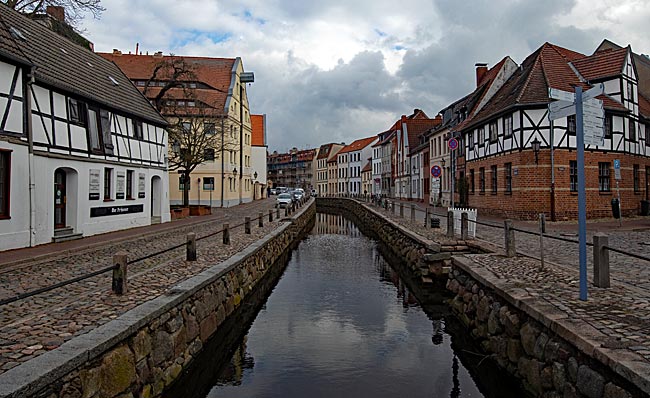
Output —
(536, 143)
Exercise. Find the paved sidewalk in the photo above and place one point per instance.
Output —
(43, 322)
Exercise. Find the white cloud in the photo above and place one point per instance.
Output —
(333, 71)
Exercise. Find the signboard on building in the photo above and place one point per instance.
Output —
(93, 184)
(119, 192)
(115, 210)
(617, 169)
(141, 185)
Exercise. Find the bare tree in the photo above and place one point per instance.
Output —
(75, 9)
(197, 128)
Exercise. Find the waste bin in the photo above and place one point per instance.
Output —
(645, 207)
(616, 209)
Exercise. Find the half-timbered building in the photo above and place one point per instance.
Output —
(519, 163)
(82, 152)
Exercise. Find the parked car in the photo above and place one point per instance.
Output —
(282, 190)
(274, 191)
(283, 200)
(298, 194)
(314, 193)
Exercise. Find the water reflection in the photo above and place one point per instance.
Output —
(341, 322)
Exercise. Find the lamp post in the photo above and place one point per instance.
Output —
(254, 185)
(198, 190)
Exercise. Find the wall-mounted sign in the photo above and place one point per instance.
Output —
(119, 193)
(93, 184)
(115, 210)
(141, 185)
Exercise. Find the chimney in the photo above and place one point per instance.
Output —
(158, 54)
(56, 12)
(481, 70)
(416, 111)
(117, 52)
(137, 46)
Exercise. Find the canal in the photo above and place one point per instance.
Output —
(342, 322)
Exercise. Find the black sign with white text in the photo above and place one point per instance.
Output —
(115, 210)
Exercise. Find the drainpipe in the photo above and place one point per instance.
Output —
(241, 139)
(27, 125)
(552, 175)
(223, 176)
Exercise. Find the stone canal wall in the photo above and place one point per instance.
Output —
(143, 352)
(551, 354)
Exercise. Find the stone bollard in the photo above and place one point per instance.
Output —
(412, 212)
(226, 234)
(394, 207)
(450, 224)
(464, 226)
(190, 250)
(601, 260)
(511, 250)
(286, 211)
(426, 218)
(277, 212)
(247, 225)
(401, 210)
(270, 215)
(260, 217)
(119, 272)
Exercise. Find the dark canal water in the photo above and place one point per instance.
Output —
(342, 323)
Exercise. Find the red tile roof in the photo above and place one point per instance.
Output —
(367, 167)
(602, 64)
(358, 144)
(644, 106)
(214, 72)
(258, 133)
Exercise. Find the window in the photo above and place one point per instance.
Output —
(632, 124)
(208, 154)
(137, 130)
(129, 184)
(140, 83)
(5, 180)
(609, 123)
(471, 180)
(76, 110)
(108, 183)
(93, 131)
(494, 178)
(573, 175)
(603, 177)
(105, 124)
(493, 131)
(571, 124)
(481, 180)
(637, 178)
(181, 183)
(630, 91)
(208, 183)
(507, 126)
(481, 136)
(470, 140)
(647, 134)
(508, 177)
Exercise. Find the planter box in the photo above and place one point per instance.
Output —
(180, 212)
(200, 210)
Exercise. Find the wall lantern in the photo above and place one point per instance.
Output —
(234, 171)
(536, 143)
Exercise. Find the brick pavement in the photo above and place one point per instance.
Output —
(620, 313)
(34, 325)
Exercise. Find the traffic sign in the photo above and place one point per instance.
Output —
(436, 171)
(452, 144)
(617, 169)
(435, 186)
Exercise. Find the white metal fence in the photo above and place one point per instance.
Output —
(471, 216)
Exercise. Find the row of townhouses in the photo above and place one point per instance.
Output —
(496, 149)
(83, 151)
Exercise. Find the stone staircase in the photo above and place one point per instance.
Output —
(65, 234)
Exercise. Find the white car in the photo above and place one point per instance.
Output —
(283, 200)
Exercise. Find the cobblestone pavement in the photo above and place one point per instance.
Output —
(43, 322)
(622, 312)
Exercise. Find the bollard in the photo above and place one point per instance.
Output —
(261, 219)
(450, 224)
(412, 212)
(401, 209)
(270, 215)
(190, 250)
(542, 229)
(426, 218)
(394, 207)
(464, 226)
(286, 211)
(119, 273)
(277, 212)
(247, 225)
(226, 234)
(601, 260)
(511, 250)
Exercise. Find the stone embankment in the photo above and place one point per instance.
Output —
(527, 317)
(142, 352)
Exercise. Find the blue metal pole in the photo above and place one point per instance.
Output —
(582, 197)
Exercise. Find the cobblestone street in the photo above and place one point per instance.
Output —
(43, 322)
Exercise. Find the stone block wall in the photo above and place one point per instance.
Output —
(141, 353)
(548, 365)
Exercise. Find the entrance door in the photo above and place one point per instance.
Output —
(59, 199)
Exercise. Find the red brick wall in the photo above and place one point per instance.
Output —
(531, 185)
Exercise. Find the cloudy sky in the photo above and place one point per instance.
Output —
(337, 70)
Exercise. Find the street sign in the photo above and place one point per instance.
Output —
(560, 109)
(436, 171)
(593, 92)
(617, 169)
(435, 187)
(561, 95)
(452, 144)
